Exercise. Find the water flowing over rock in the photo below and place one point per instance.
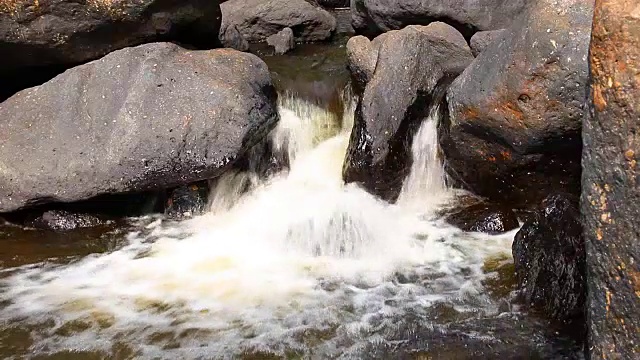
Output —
(283, 41)
(64, 32)
(258, 19)
(188, 200)
(482, 39)
(373, 17)
(413, 67)
(516, 112)
(610, 189)
(148, 117)
(549, 256)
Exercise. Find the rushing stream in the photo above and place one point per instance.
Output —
(299, 266)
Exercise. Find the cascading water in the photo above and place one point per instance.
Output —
(300, 264)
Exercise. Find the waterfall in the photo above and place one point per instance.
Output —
(296, 253)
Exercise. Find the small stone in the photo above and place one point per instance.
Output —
(283, 41)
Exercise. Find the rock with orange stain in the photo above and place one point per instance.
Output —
(610, 188)
(520, 104)
(143, 118)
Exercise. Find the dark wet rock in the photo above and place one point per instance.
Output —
(610, 189)
(258, 19)
(333, 3)
(373, 17)
(233, 39)
(486, 218)
(188, 200)
(549, 256)
(144, 118)
(513, 134)
(34, 33)
(60, 220)
(482, 39)
(413, 67)
(283, 41)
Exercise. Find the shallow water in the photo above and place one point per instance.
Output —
(300, 266)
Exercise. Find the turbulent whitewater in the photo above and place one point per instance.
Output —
(299, 263)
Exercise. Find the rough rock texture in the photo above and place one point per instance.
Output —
(188, 200)
(258, 19)
(413, 67)
(60, 220)
(38, 33)
(549, 256)
(513, 133)
(482, 39)
(231, 38)
(373, 17)
(148, 117)
(486, 218)
(610, 185)
(283, 41)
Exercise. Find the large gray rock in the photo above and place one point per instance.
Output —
(610, 187)
(258, 19)
(148, 117)
(516, 112)
(482, 39)
(403, 76)
(373, 17)
(55, 32)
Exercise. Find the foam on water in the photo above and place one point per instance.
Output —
(300, 251)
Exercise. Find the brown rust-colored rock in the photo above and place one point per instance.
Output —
(610, 187)
(516, 111)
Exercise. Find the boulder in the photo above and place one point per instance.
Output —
(549, 256)
(258, 19)
(610, 188)
(232, 39)
(373, 17)
(64, 32)
(513, 132)
(150, 117)
(482, 39)
(60, 220)
(283, 41)
(408, 75)
(486, 218)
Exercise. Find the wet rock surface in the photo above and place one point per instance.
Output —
(482, 39)
(413, 67)
(142, 118)
(610, 189)
(513, 132)
(34, 33)
(258, 19)
(487, 218)
(188, 200)
(60, 220)
(283, 41)
(373, 17)
(549, 256)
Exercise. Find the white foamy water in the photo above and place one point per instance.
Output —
(301, 257)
